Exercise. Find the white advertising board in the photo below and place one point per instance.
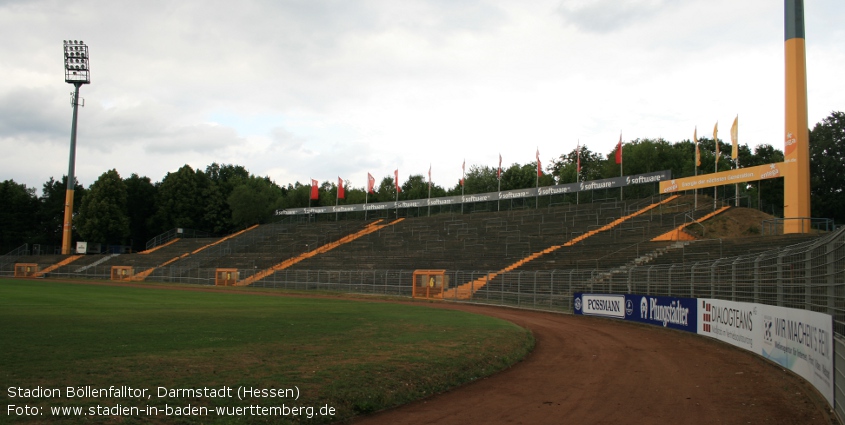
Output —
(799, 340)
(602, 305)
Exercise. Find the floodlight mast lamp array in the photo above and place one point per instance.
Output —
(77, 72)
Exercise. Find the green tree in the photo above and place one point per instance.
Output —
(52, 210)
(102, 216)
(253, 201)
(224, 178)
(19, 215)
(386, 190)
(295, 196)
(481, 179)
(140, 208)
(182, 200)
(524, 177)
(564, 168)
(416, 187)
(827, 167)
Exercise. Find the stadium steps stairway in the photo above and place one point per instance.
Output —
(156, 248)
(370, 228)
(466, 290)
(143, 274)
(477, 241)
(639, 261)
(95, 263)
(64, 262)
(678, 234)
(714, 249)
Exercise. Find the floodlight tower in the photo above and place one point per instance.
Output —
(77, 72)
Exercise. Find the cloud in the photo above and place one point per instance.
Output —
(604, 16)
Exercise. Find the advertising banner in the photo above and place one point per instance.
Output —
(800, 340)
(611, 183)
(740, 175)
(600, 305)
(669, 312)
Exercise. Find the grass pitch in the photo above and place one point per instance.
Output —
(354, 356)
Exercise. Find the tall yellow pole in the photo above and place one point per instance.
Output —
(796, 196)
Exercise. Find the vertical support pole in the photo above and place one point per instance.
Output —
(67, 226)
(779, 280)
(796, 185)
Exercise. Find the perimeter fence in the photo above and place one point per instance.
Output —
(809, 276)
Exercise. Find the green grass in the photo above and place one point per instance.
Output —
(355, 356)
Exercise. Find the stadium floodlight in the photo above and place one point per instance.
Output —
(77, 72)
(76, 62)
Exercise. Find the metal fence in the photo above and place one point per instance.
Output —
(807, 276)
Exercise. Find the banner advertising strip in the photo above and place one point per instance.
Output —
(740, 175)
(799, 340)
(611, 183)
(668, 312)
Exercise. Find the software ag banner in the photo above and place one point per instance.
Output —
(668, 312)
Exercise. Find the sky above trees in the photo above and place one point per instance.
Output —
(318, 89)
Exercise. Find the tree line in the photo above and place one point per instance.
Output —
(224, 198)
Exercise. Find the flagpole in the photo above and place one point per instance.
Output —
(537, 196)
(336, 199)
(463, 183)
(429, 190)
(366, 199)
(735, 154)
(499, 177)
(621, 160)
(696, 163)
(578, 171)
(716, 165)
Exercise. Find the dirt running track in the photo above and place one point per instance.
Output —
(586, 370)
(598, 371)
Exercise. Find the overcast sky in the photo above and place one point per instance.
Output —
(319, 89)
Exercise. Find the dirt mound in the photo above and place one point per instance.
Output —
(737, 222)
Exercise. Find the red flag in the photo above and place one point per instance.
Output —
(314, 194)
(461, 181)
(619, 150)
(396, 180)
(499, 172)
(370, 182)
(539, 167)
(341, 194)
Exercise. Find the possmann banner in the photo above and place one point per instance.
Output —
(799, 340)
(606, 305)
(611, 183)
(668, 312)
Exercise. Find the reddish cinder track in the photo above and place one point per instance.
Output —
(586, 370)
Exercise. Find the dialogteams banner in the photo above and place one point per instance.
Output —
(560, 189)
(799, 340)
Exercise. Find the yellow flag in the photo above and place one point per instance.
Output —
(735, 137)
(697, 152)
(716, 141)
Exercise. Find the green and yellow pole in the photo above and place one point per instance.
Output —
(796, 192)
(67, 223)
